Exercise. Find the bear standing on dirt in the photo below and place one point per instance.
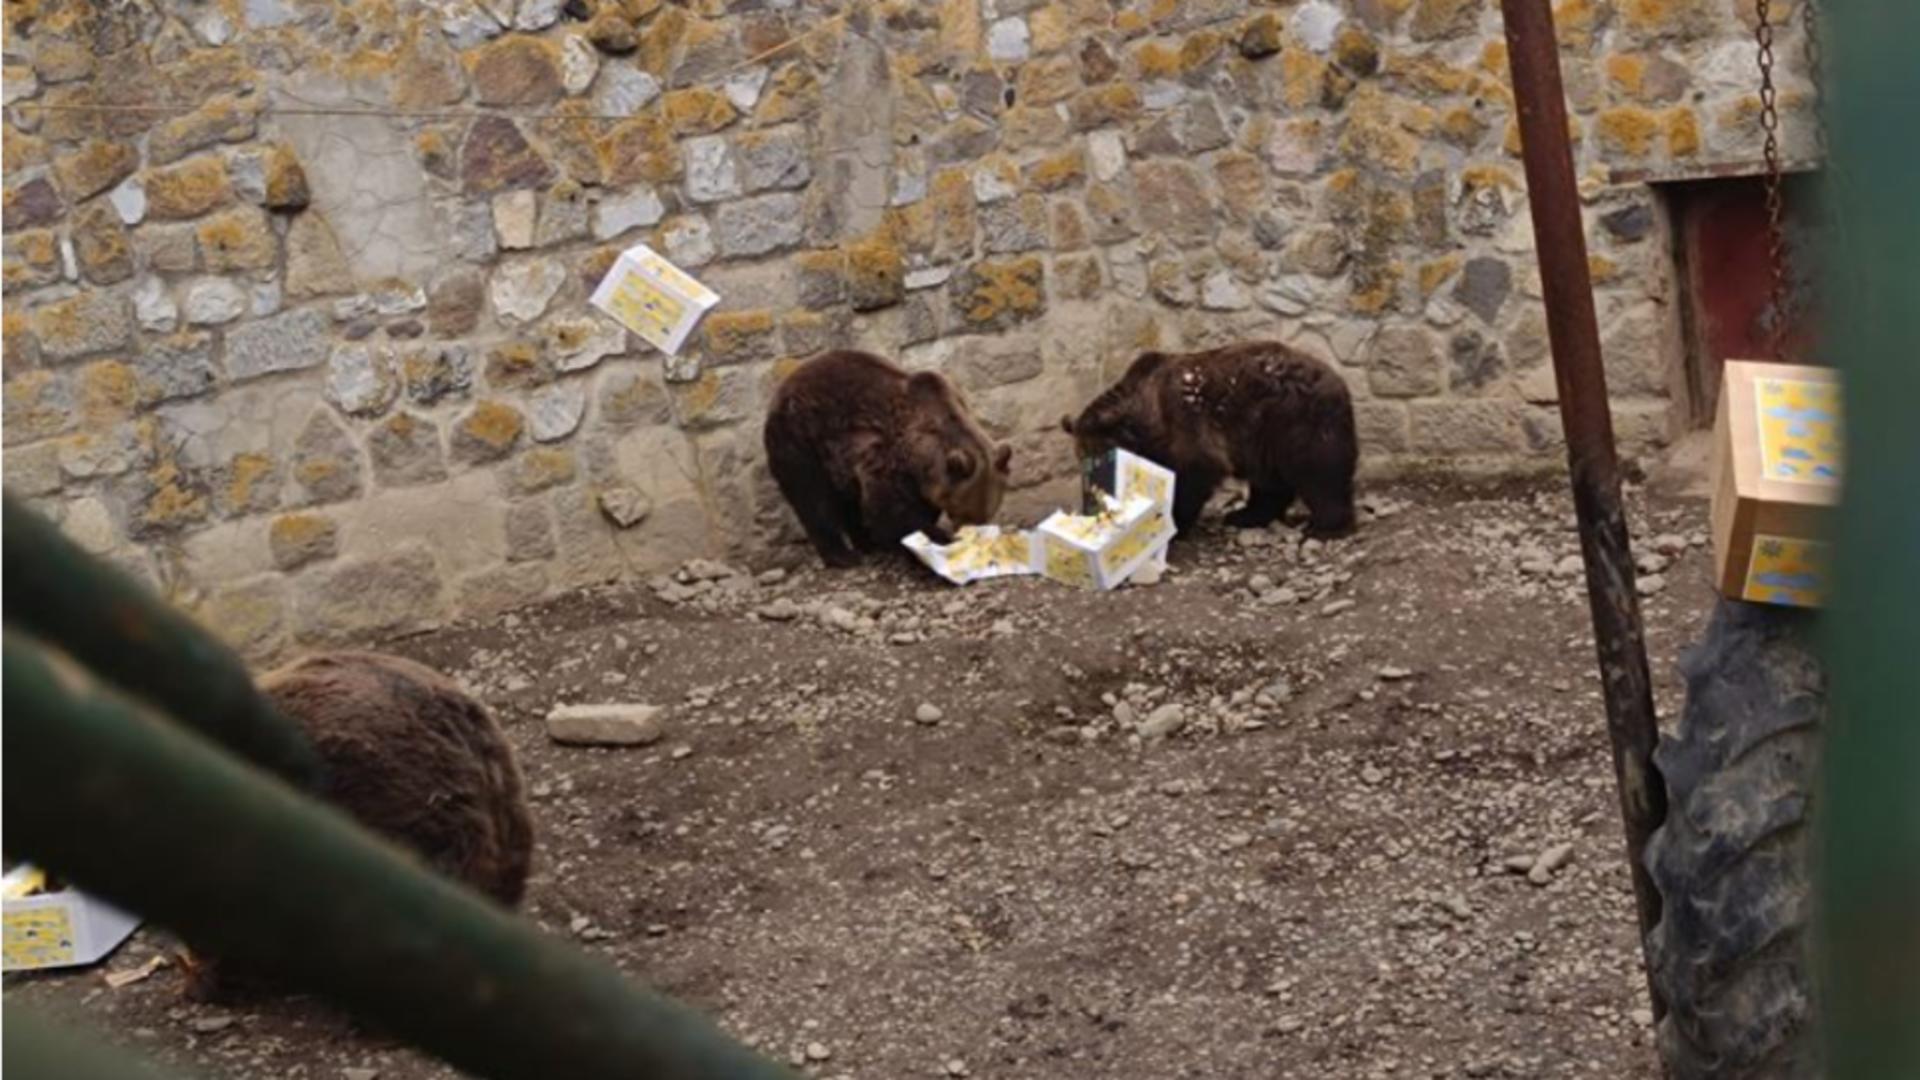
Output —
(412, 758)
(1276, 418)
(867, 455)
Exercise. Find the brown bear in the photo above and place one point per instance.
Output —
(411, 757)
(867, 455)
(1274, 417)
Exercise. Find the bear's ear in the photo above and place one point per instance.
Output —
(1066, 424)
(1003, 458)
(1145, 364)
(959, 465)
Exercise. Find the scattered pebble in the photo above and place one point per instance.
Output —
(928, 713)
(818, 1051)
(1163, 721)
(605, 725)
(1548, 863)
(1337, 607)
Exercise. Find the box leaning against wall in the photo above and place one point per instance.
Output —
(1776, 477)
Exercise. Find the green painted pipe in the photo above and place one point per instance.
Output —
(39, 1048)
(1868, 816)
(139, 642)
(155, 818)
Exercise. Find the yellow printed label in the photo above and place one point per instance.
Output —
(671, 276)
(1068, 565)
(649, 311)
(1147, 482)
(1789, 571)
(1132, 545)
(1799, 430)
(974, 552)
(39, 937)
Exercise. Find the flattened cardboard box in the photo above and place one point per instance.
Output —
(1777, 474)
(653, 298)
(978, 553)
(59, 929)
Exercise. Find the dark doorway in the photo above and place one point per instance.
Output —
(1725, 274)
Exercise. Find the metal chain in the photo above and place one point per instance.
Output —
(1776, 203)
(1816, 72)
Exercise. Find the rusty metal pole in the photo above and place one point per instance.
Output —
(1559, 237)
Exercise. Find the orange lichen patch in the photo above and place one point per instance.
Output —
(493, 424)
(298, 531)
(1060, 170)
(738, 334)
(1130, 23)
(640, 149)
(792, 94)
(1576, 22)
(1462, 126)
(244, 473)
(543, 467)
(172, 503)
(1603, 270)
(1627, 73)
(109, 390)
(1200, 49)
(1156, 60)
(697, 110)
(1437, 272)
(1627, 130)
(1047, 80)
(1014, 289)
(1430, 76)
(1114, 103)
(188, 189)
(1493, 59)
(1475, 177)
(1301, 77)
(1683, 133)
(237, 240)
(1374, 288)
(952, 200)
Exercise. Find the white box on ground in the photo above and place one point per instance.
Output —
(978, 553)
(1101, 551)
(653, 298)
(58, 929)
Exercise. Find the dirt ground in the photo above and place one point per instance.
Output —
(899, 829)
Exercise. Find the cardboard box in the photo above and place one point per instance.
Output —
(1100, 551)
(653, 298)
(978, 553)
(66, 928)
(1121, 475)
(1776, 477)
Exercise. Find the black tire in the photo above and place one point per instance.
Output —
(1731, 952)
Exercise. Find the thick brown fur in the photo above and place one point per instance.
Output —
(413, 758)
(1260, 411)
(867, 455)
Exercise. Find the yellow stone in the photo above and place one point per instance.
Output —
(188, 189)
(697, 110)
(1627, 130)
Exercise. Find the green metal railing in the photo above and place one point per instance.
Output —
(158, 817)
(1868, 814)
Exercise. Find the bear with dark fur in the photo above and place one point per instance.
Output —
(867, 455)
(413, 758)
(1260, 411)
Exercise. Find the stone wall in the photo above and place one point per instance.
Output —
(296, 319)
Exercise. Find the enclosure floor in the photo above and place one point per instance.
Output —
(1020, 889)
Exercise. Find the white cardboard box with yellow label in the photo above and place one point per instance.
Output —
(978, 553)
(1776, 477)
(1100, 551)
(653, 298)
(59, 929)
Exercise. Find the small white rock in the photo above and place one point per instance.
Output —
(928, 713)
(605, 725)
(1163, 721)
